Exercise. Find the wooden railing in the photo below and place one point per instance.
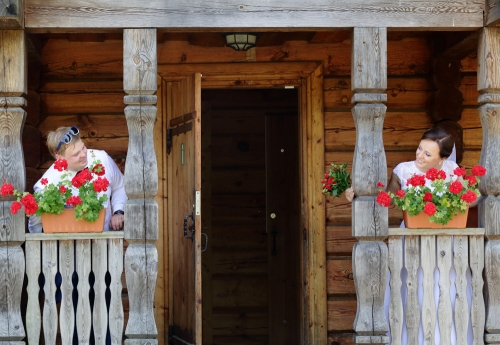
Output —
(444, 249)
(86, 255)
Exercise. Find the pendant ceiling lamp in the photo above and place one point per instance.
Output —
(241, 41)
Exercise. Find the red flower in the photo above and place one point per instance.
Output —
(29, 203)
(380, 185)
(60, 165)
(63, 189)
(416, 180)
(400, 193)
(383, 199)
(430, 209)
(472, 180)
(478, 170)
(74, 200)
(469, 196)
(459, 171)
(7, 189)
(441, 175)
(99, 170)
(427, 196)
(16, 206)
(101, 185)
(82, 177)
(431, 174)
(456, 187)
(44, 181)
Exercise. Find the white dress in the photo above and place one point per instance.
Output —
(404, 171)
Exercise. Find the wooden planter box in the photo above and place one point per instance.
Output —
(421, 221)
(66, 222)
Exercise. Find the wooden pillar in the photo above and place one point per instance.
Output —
(12, 234)
(369, 220)
(488, 85)
(141, 182)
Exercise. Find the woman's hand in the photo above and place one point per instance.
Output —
(349, 194)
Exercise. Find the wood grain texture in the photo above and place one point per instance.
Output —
(13, 59)
(66, 268)
(490, 149)
(11, 225)
(49, 270)
(260, 15)
(100, 312)
(444, 263)
(478, 310)
(83, 268)
(369, 60)
(115, 268)
(492, 13)
(33, 313)
(461, 263)
(370, 277)
(396, 316)
(139, 61)
(369, 219)
(411, 253)
(428, 263)
(12, 15)
(142, 215)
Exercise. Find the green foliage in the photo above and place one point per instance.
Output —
(336, 180)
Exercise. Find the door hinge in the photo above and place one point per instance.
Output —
(198, 203)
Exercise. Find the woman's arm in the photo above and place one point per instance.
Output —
(394, 184)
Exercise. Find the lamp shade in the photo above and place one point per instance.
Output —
(241, 40)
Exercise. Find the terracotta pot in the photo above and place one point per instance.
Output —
(66, 222)
(421, 221)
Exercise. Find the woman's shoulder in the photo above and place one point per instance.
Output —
(449, 165)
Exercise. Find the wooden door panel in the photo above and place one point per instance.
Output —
(184, 180)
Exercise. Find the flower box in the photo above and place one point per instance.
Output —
(66, 222)
(421, 221)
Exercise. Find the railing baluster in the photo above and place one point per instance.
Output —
(115, 268)
(461, 262)
(478, 309)
(83, 318)
(67, 268)
(412, 307)
(49, 266)
(396, 303)
(100, 314)
(33, 313)
(444, 263)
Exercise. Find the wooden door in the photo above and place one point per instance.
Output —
(282, 228)
(184, 213)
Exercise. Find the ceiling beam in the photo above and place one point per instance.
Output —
(492, 13)
(461, 49)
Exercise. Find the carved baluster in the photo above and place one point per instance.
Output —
(488, 85)
(141, 182)
(370, 221)
(12, 116)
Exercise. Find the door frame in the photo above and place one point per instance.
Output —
(308, 76)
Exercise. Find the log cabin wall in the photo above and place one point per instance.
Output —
(81, 83)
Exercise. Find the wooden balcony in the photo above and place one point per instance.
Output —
(91, 256)
(446, 250)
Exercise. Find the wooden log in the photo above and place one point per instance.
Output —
(31, 141)
(33, 270)
(339, 277)
(66, 268)
(446, 104)
(143, 217)
(446, 72)
(13, 56)
(49, 270)
(461, 262)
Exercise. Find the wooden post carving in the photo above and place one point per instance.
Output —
(488, 85)
(12, 233)
(141, 182)
(369, 220)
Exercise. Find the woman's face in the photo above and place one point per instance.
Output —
(428, 155)
(76, 156)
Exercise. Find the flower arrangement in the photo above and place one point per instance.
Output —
(441, 200)
(336, 180)
(55, 197)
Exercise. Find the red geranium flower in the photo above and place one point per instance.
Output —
(7, 189)
(478, 170)
(16, 206)
(431, 174)
(380, 185)
(44, 181)
(383, 199)
(60, 165)
(99, 169)
(429, 209)
(472, 180)
(441, 175)
(456, 187)
(29, 203)
(74, 200)
(63, 189)
(101, 185)
(469, 196)
(459, 171)
(427, 196)
(400, 193)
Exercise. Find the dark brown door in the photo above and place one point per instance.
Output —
(184, 212)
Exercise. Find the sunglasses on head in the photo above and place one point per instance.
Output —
(66, 139)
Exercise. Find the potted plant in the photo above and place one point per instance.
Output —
(336, 180)
(76, 196)
(430, 196)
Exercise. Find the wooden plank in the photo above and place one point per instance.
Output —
(411, 252)
(436, 232)
(33, 270)
(90, 126)
(339, 240)
(246, 324)
(341, 314)
(239, 291)
(478, 310)
(139, 61)
(83, 268)
(100, 312)
(396, 310)
(461, 262)
(428, 262)
(237, 262)
(115, 268)
(66, 268)
(261, 15)
(93, 103)
(13, 81)
(74, 236)
(444, 263)
(49, 269)
(339, 277)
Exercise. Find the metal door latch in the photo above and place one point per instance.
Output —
(191, 228)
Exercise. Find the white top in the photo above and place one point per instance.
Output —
(116, 190)
(406, 170)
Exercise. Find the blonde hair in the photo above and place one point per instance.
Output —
(54, 138)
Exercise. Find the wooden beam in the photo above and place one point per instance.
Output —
(492, 13)
(12, 14)
(461, 49)
(260, 15)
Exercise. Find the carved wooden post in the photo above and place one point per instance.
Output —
(141, 182)
(488, 85)
(369, 220)
(12, 234)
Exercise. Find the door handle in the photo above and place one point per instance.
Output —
(191, 228)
